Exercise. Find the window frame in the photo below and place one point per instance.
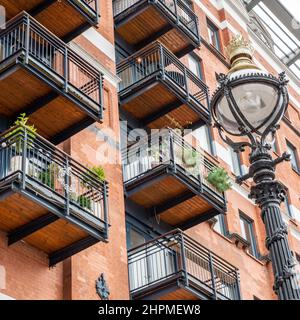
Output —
(287, 204)
(223, 225)
(199, 63)
(294, 154)
(212, 28)
(253, 248)
(238, 160)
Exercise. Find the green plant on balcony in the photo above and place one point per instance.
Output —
(19, 125)
(84, 202)
(91, 174)
(220, 179)
(190, 157)
(49, 176)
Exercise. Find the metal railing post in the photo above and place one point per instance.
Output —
(67, 186)
(66, 69)
(183, 257)
(176, 11)
(27, 40)
(101, 102)
(105, 208)
(186, 84)
(97, 11)
(238, 288)
(24, 156)
(162, 62)
(172, 151)
(212, 272)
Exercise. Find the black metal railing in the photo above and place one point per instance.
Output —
(91, 4)
(176, 10)
(47, 54)
(156, 59)
(53, 174)
(89, 8)
(168, 148)
(176, 255)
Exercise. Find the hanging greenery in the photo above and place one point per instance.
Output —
(220, 179)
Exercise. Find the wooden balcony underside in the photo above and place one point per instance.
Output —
(159, 107)
(16, 211)
(52, 114)
(60, 17)
(165, 190)
(150, 25)
(179, 294)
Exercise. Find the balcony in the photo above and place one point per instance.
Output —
(159, 91)
(167, 176)
(47, 198)
(140, 22)
(66, 19)
(176, 267)
(41, 76)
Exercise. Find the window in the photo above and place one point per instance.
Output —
(248, 234)
(236, 165)
(134, 237)
(286, 207)
(213, 33)
(195, 65)
(274, 146)
(204, 137)
(294, 158)
(220, 225)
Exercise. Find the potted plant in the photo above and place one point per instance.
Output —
(16, 135)
(84, 202)
(89, 200)
(219, 179)
(50, 177)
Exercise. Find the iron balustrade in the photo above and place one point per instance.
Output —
(157, 60)
(168, 148)
(176, 10)
(89, 8)
(177, 256)
(91, 4)
(51, 173)
(35, 46)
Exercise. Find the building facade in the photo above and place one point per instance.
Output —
(95, 77)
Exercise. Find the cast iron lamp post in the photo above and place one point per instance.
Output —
(248, 105)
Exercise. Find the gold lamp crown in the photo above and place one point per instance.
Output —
(240, 53)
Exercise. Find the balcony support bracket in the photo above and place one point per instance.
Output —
(31, 227)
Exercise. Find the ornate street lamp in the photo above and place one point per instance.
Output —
(247, 108)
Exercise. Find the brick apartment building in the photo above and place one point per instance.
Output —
(88, 73)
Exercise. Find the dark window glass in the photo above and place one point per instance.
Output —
(236, 164)
(195, 65)
(248, 234)
(220, 225)
(213, 33)
(294, 158)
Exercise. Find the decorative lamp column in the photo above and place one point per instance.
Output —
(247, 108)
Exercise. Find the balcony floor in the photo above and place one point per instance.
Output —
(54, 115)
(161, 194)
(16, 211)
(59, 17)
(62, 236)
(158, 107)
(150, 24)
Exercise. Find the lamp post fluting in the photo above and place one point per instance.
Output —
(247, 108)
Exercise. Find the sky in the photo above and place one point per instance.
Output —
(293, 6)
